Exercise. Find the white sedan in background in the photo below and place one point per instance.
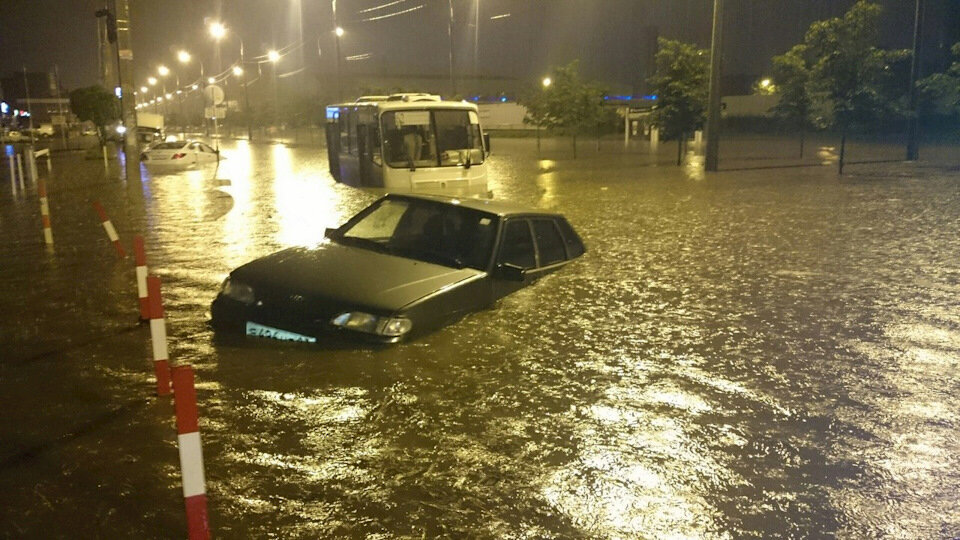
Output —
(179, 154)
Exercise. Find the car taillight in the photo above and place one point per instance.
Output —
(178, 155)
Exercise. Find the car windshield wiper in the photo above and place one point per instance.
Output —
(427, 255)
(365, 243)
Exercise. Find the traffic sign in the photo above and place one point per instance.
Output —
(214, 94)
(218, 112)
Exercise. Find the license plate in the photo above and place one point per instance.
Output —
(259, 330)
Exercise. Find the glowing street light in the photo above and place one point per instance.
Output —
(168, 95)
(152, 81)
(217, 30)
(183, 57)
(339, 31)
(273, 56)
(765, 83)
(194, 87)
(211, 80)
(144, 89)
(163, 70)
(237, 70)
(547, 82)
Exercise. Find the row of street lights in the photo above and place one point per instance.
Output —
(218, 31)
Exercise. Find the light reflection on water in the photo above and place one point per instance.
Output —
(741, 358)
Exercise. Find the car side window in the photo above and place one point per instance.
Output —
(549, 242)
(571, 239)
(517, 245)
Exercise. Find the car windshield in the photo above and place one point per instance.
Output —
(435, 232)
(168, 146)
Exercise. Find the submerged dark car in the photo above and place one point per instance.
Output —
(403, 266)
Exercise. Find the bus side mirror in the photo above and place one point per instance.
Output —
(486, 142)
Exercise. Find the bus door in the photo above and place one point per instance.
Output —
(332, 131)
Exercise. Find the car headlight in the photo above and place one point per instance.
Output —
(240, 292)
(372, 324)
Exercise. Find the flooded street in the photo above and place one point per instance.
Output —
(748, 354)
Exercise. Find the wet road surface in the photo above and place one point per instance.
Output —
(744, 354)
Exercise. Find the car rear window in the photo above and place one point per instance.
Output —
(574, 245)
(549, 242)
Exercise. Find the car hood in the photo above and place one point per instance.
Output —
(348, 275)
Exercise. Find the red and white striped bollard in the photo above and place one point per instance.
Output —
(45, 212)
(158, 337)
(191, 453)
(140, 255)
(108, 226)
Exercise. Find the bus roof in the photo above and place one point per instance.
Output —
(398, 105)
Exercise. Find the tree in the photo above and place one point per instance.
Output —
(569, 104)
(850, 73)
(97, 105)
(940, 92)
(792, 75)
(681, 85)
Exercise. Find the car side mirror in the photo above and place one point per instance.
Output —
(511, 272)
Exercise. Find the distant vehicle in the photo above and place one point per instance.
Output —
(403, 266)
(14, 136)
(45, 130)
(149, 127)
(179, 154)
(408, 142)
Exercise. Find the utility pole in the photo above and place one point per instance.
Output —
(337, 32)
(63, 117)
(913, 128)
(453, 84)
(125, 79)
(712, 158)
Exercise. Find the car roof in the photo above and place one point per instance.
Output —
(500, 208)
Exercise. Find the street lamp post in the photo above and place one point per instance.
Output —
(337, 34)
(152, 81)
(164, 71)
(184, 58)
(274, 58)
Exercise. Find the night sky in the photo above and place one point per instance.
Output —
(607, 36)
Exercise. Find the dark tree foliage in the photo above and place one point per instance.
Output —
(940, 92)
(860, 83)
(95, 104)
(569, 105)
(681, 84)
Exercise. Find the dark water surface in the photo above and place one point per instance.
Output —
(746, 354)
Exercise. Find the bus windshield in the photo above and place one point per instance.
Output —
(432, 138)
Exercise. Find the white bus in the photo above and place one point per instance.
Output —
(407, 142)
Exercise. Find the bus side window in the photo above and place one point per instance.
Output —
(353, 133)
(374, 134)
(344, 131)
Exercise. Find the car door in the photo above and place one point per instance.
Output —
(206, 154)
(516, 250)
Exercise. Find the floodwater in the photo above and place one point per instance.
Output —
(747, 354)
